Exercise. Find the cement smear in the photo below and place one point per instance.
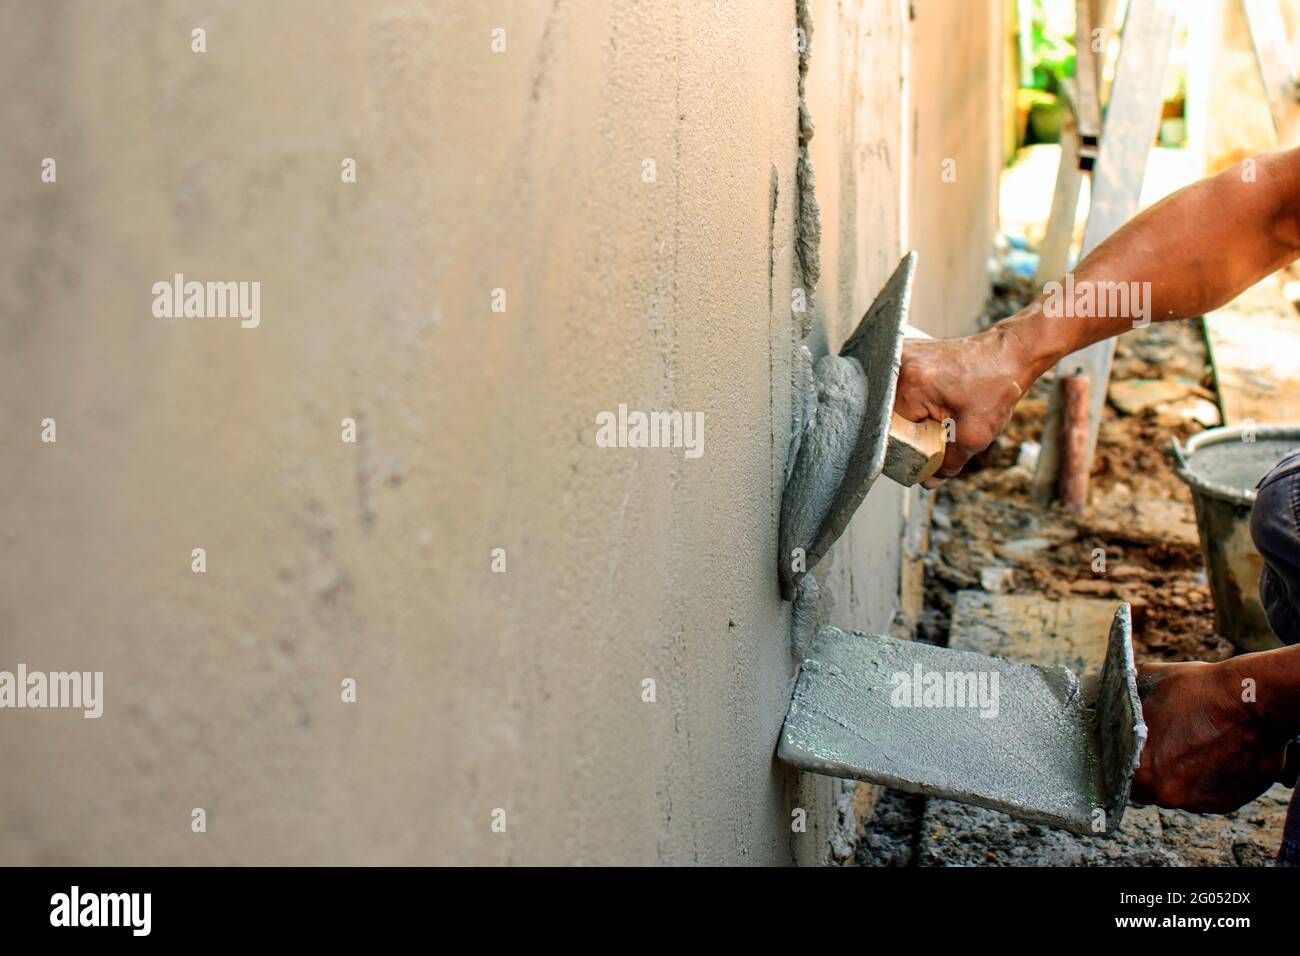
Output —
(808, 224)
(824, 453)
(808, 614)
(807, 243)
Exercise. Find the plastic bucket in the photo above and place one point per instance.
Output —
(1222, 466)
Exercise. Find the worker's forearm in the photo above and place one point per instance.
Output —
(1188, 254)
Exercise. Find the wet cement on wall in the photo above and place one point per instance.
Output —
(522, 171)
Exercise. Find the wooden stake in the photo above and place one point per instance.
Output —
(1074, 442)
(1132, 119)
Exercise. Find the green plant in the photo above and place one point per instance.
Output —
(1051, 46)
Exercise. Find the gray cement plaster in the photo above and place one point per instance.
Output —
(807, 615)
(824, 455)
(808, 217)
(1053, 750)
(844, 452)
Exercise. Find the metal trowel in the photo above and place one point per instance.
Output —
(855, 434)
(1033, 741)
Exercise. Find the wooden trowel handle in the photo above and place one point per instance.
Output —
(915, 450)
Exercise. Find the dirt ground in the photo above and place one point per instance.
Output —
(988, 534)
(1140, 515)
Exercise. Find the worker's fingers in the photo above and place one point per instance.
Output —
(912, 406)
(917, 386)
(968, 436)
(954, 460)
(944, 381)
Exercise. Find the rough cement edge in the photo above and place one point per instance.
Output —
(1120, 730)
(806, 617)
(811, 606)
(808, 220)
(803, 406)
(807, 245)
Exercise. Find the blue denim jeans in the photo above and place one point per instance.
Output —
(1275, 527)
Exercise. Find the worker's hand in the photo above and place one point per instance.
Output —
(1207, 750)
(973, 382)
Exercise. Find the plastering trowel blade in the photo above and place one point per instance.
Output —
(854, 435)
(877, 345)
(1032, 741)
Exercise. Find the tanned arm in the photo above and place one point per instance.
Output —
(1198, 249)
(1215, 741)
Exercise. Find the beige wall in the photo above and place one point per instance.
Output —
(956, 76)
(522, 171)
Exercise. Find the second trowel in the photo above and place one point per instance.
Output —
(1033, 741)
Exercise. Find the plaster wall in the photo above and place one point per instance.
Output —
(956, 73)
(525, 171)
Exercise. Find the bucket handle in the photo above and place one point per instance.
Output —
(1180, 458)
